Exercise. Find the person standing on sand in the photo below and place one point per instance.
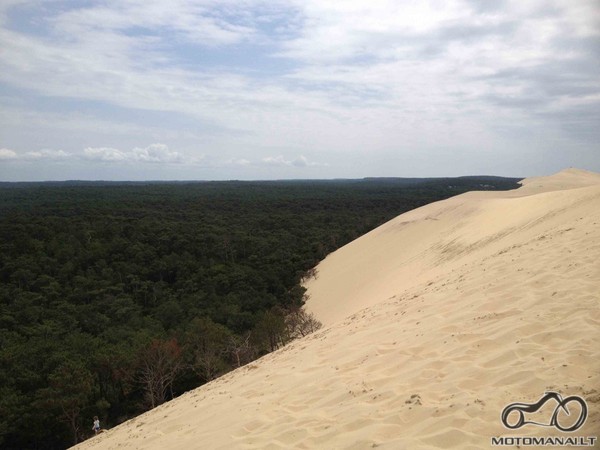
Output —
(96, 426)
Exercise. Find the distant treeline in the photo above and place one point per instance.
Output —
(115, 297)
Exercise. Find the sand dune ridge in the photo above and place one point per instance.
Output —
(434, 322)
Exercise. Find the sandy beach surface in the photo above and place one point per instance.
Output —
(433, 323)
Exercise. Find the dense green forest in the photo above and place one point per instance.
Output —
(115, 297)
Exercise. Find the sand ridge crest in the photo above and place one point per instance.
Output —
(409, 249)
(565, 179)
(434, 322)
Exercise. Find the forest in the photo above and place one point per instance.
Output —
(117, 297)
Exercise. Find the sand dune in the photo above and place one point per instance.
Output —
(433, 323)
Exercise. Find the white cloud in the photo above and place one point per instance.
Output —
(276, 161)
(105, 154)
(48, 154)
(155, 153)
(238, 162)
(199, 22)
(40, 155)
(300, 161)
(6, 154)
(338, 30)
(97, 56)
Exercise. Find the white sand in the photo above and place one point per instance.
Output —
(434, 322)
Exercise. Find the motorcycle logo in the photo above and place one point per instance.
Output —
(562, 406)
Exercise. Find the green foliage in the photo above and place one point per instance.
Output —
(70, 386)
(115, 296)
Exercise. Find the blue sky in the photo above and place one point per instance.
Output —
(252, 89)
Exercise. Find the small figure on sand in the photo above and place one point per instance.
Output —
(96, 426)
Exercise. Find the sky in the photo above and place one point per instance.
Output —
(273, 89)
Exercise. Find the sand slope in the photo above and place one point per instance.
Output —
(434, 322)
